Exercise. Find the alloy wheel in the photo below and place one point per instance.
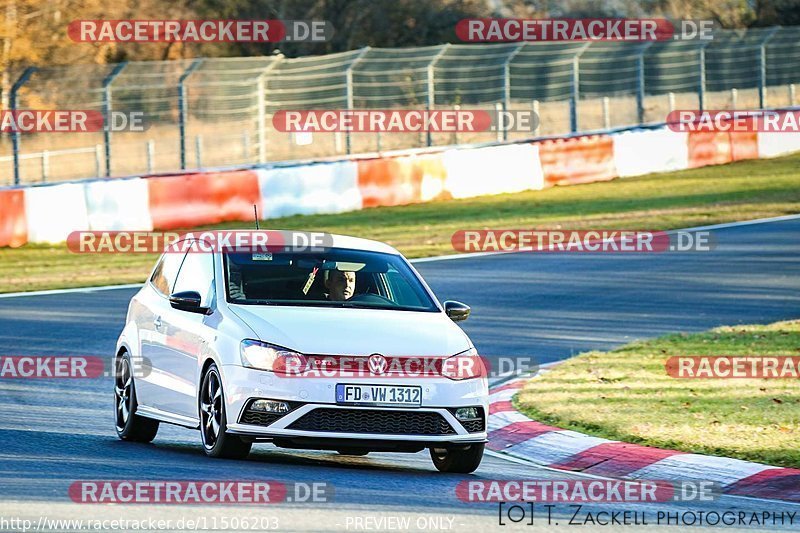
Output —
(211, 409)
(123, 383)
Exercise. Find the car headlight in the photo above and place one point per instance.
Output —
(264, 356)
(465, 365)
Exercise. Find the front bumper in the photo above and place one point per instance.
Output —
(439, 396)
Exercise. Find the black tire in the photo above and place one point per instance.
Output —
(458, 460)
(129, 425)
(217, 442)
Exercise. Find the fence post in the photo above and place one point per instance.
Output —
(107, 81)
(431, 99)
(431, 86)
(348, 143)
(261, 103)
(183, 108)
(701, 87)
(12, 98)
(640, 86)
(507, 85)
(762, 68)
(671, 101)
(535, 108)
(98, 159)
(150, 148)
(734, 97)
(791, 94)
(350, 94)
(198, 151)
(576, 87)
(45, 165)
(507, 78)
(456, 108)
(261, 120)
(606, 113)
(502, 134)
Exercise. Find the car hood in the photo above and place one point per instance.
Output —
(337, 331)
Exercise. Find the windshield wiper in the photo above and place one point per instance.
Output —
(354, 305)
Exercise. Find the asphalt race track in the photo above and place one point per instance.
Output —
(547, 306)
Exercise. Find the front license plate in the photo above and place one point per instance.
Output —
(378, 395)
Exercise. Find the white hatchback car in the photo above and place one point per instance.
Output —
(306, 350)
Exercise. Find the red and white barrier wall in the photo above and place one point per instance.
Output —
(493, 170)
(13, 223)
(49, 213)
(306, 190)
(189, 200)
(578, 160)
(665, 151)
(118, 205)
(52, 212)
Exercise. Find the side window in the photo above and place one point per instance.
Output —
(164, 275)
(402, 291)
(197, 274)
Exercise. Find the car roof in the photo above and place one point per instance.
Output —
(339, 241)
(357, 243)
(352, 243)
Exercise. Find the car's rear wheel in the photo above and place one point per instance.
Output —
(213, 420)
(129, 425)
(458, 460)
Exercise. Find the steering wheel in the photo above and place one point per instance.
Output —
(371, 297)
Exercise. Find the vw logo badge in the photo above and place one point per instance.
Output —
(377, 364)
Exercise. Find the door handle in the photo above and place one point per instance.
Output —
(157, 322)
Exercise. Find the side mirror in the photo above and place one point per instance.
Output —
(188, 301)
(456, 310)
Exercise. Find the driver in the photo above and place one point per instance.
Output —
(341, 285)
(235, 283)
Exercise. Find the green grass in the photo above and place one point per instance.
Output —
(626, 395)
(739, 191)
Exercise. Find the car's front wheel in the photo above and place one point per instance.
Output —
(129, 425)
(213, 420)
(458, 460)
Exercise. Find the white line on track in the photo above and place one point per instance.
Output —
(66, 291)
(418, 260)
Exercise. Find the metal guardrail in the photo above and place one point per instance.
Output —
(216, 112)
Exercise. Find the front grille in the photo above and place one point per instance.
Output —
(373, 421)
(473, 426)
(256, 418)
(260, 418)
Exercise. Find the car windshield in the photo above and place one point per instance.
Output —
(334, 278)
